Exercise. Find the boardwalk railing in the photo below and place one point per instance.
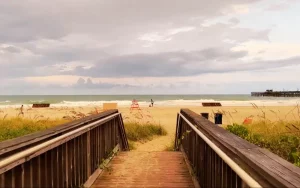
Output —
(64, 156)
(221, 159)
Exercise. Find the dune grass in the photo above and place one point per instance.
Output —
(132, 145)
(280, 137)
(137, 131)
(171, 146)
(16, 127)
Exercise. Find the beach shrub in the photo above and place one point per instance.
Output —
(281, 138)
(16, 127)
(171, 146)
(238, 130)
(131, 145)
(136, 131)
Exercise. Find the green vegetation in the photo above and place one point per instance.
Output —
(16, 127)
(171, 146)
(139, 132)
(136, 131)
(131, 145)
(281, 137)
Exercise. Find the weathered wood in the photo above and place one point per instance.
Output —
(98, 171)
(88, 159)
(266, 168)
(62, 160)
(168, 170)
(66, 164)
(191, 169)
(31, 139)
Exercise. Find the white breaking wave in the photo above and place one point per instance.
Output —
(181, 102)
(4, 102)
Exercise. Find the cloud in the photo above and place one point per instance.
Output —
(34, 19)
(278, 7)
(89, 84)
(180, 64)
(234, 21)
(55, 43)
(10, 49)
(163, 64)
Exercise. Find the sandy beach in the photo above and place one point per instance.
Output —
(164, 115)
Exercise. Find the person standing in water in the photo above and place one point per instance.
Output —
(152, 102)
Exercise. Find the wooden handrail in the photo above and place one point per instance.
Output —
(69, 158)
(17, 144)
(211, 170)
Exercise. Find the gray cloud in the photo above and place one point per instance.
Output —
(34, 19)
(162, 64)
(66, 37)
(10, 49)
(278, 7)
(180, 64)
(234, 20)
(89, 84)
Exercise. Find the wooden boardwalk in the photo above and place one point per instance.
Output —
(146, 169)
(69, 155)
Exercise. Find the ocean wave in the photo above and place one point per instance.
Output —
(7, 101)
(178, 102)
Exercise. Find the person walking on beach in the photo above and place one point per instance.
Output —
(21, 110)
(152, 102)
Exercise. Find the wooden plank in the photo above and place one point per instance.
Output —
(53, 177)
(48, 180)
(8, 179)
(27, 174)
(36, 172)
(82, 160)
(55, 174)
(168, 170)
(70, 164)
(286, 175)
(19, 176)
(190, 168)
(98, 171)
(125, 145)
(67, 164)
(88, 161)
(62, 154)
(98, 134)
(2, 180)
(75, 161)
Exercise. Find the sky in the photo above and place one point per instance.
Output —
(148, 47)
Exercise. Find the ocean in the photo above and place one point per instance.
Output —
(144, 100)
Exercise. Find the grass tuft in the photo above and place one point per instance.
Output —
(281, 137)
(16, 127)
(132, 145)
(171, 146)
(136, 131)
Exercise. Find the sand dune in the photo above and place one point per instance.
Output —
(164, 115)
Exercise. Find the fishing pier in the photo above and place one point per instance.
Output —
(271, 93)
